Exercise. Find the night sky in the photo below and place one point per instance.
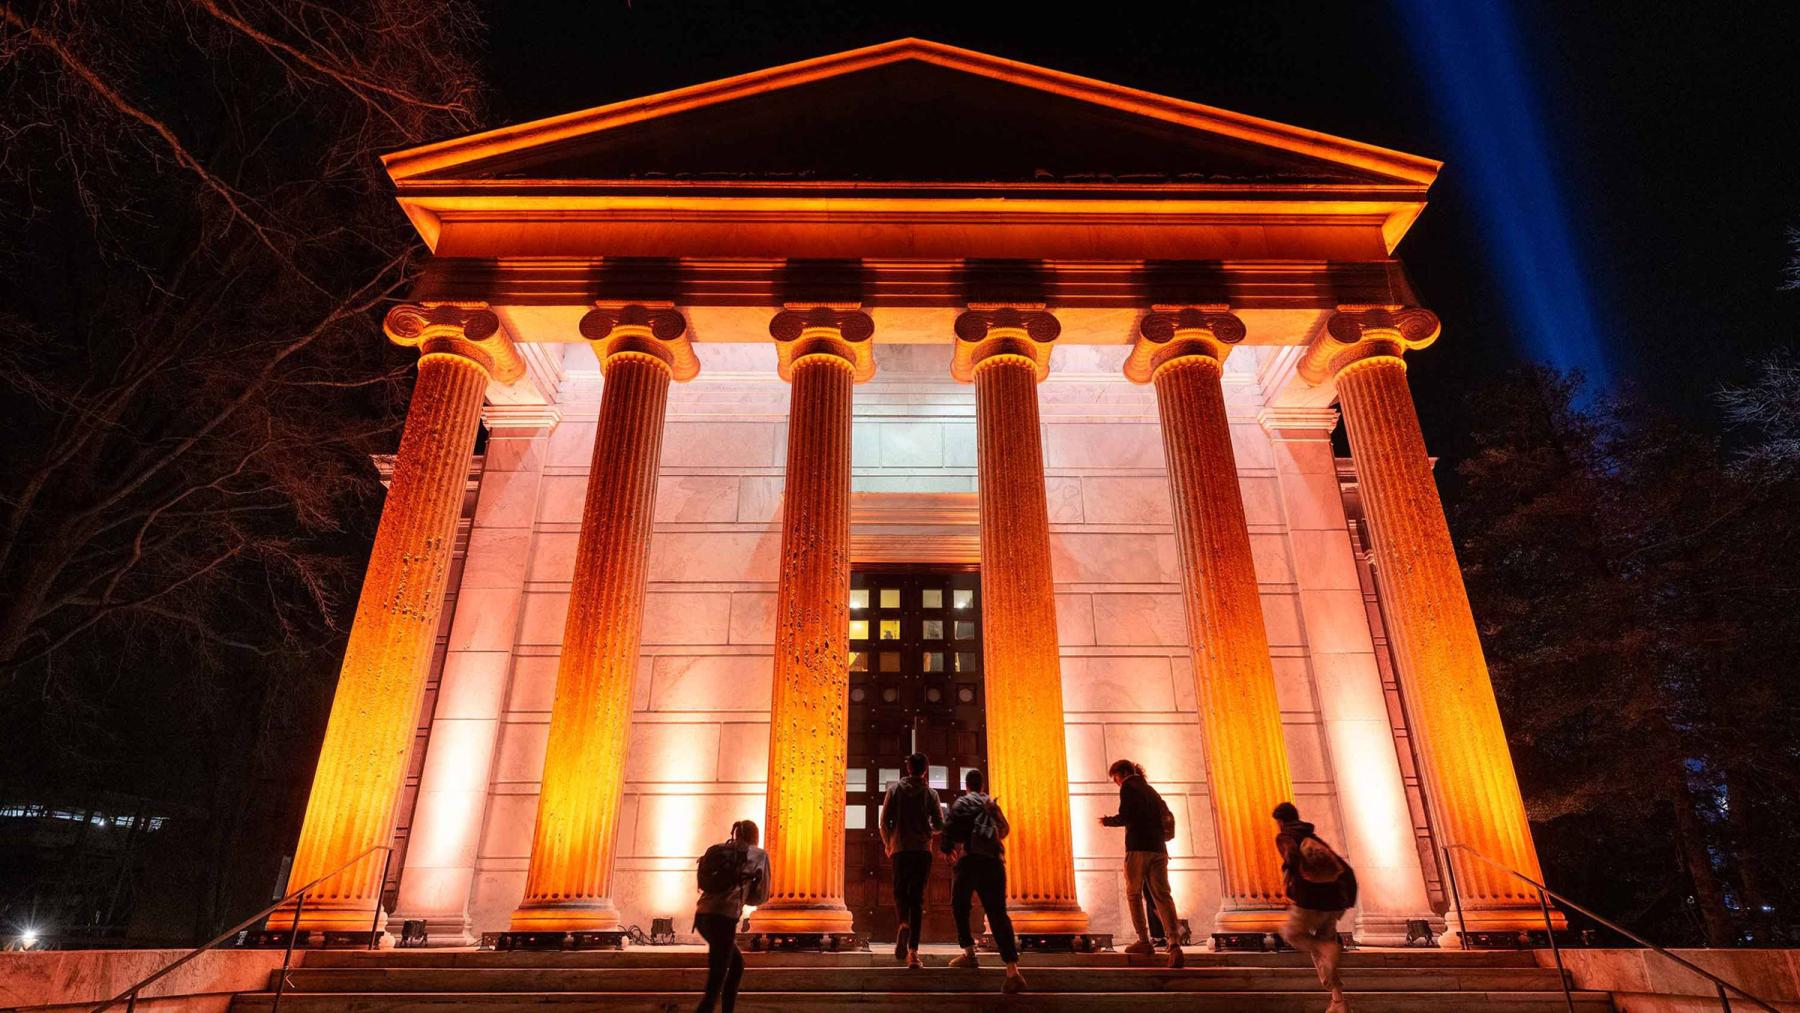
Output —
(1655, 141)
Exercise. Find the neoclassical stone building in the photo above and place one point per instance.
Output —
(768, 429)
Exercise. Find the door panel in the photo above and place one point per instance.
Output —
(915, 685)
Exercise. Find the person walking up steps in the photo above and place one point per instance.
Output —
(731, 875)
(910, 814)
(972, 835)
(1149, 825)
(1320, 886)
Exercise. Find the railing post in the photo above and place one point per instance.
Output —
(131, 1003)
(1462, 926)
(288, 955)
(380, 888)
(1724, 997)
(1562, 975)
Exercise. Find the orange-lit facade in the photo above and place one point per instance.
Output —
(906, 305)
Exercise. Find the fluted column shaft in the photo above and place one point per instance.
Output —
(374, 713)
(1450, 698)
(1027, 753)
(568, 885)
(1247, 770)
(809, 709)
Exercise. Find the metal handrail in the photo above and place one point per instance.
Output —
(130, 995)
(1720, 983)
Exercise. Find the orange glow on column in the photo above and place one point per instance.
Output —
(568, 884)
(1183, 355)
(1006, 353)
(823, 353)
(374, 713)
(1467, 767)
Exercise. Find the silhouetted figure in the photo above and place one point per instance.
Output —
(1149, 825)
(731, 875)
(1320, 886)
(910, 814)
(973, 835)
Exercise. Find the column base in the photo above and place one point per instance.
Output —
(598, 915)
(323, 918)
(1043, 920)
(440, 930)
(832, 919)
(1240, 921)
(802, 942)
(1396, 929)
(1498, 928)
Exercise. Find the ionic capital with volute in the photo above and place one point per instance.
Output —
(839, 331)
(987, 333)
(469, 330)
(1170, 334)
(636, 330)
(1354, 335)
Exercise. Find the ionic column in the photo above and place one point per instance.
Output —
(1183, 354)
(374, 713)
(568, 885)
(824, 353)
(1467, 767)
(1005, 353)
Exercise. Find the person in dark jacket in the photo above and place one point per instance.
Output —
(716, 918)
(1314, 907)
(910, 814)
(1141, 811)
(973, 834)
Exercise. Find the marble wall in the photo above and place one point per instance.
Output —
(700, 736)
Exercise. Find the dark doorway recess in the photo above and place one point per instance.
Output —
(915, 684)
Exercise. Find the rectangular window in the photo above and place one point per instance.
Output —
(966, 661)
(965, 630)
(856, 779)
(887, 776)
(859, 661)
(890, 597)
(859, 597)
(931, 598)
(890, 629)
(890, 661)
(856, 817)
(934, 661)
(934, 629)
(940, 777)
(962, 598)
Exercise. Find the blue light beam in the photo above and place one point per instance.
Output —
(1475, 69)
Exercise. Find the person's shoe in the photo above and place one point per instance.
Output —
(1015, 983)
(1177, 960)
(1338, 1005)
(1141, 948)
(912, 961)
(900, 945)
(964, 960)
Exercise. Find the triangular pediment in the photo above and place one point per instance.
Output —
(911, 111)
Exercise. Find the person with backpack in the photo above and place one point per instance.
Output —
(910, 815)
(972, 835)
(1149, 826)
(732, 874)
(1320, 886)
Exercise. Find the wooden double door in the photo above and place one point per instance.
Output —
(915, 686)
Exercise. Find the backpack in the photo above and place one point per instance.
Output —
(721, 869)
(1168, 821)
(1318, 863)
(984, 833)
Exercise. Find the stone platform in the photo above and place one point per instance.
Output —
(670, 978)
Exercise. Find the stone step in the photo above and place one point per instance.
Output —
(900, 979)
(900, 1002)
(696, 957)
